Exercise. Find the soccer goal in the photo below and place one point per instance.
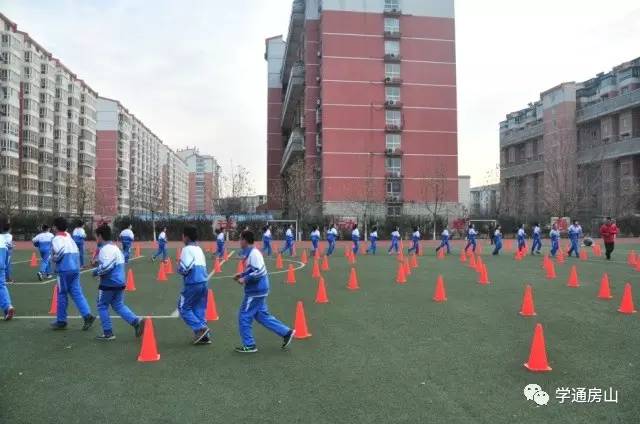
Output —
(484, 226)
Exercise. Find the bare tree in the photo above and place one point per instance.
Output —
(435, 194)
(9, 200)
(296, 191)
(86, 197)
(236, 184)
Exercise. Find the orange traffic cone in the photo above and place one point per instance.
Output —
(303, 257)
(226, 255)
(631, 258)
(131, 281)
(353, 280)
(291, 275)
(321, 294)
(560, 257)
(149, 350)
(573, 278)
(440, 254)
(168, 267)
(605, 290)
(551, 270)
(162, 273)
(626, 305)
(414, 261)
(53, 310)
(407, 268)
(439, 294)
(33, 263)
(325, 264)
(317, 253)
(240, 267)
(279, 264)
(538, 353)
(400, 277)
(484, 276)
(472, 262)
(637, 264)
(300, 326)
(217, 266)
(527, 309)
(463, 257)
(211, 313)
(583, 255)
(315, 272)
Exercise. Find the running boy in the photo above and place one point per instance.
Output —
(575, 231)
(355, 238)
(444, 241)
(79, 236)
(332, 235)
(5, 298)
(288, 240)
(395, 241)
(266, 239)
(537, 242)
(471, 238)
(110, 270)
(497, 240)
(315, 239)
(127, 238)
(521, 236)
(8, 239)
(162, 245)
(373, 241)
(220, 242)
(42, 242)
(415, 238)
(554, 235)
(254, 304)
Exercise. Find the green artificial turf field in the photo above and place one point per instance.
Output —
(385, 353)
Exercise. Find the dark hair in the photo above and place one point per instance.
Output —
(265, 228)
(375, 228)
(470, 225)
(44, 227)
(575, 221)
(79, 223)
(536, 225)
(315, 227)
(218, 230)
(190, 232)
(608, 218)
(355, 226)
(104, 231)
(247, 235)
(415, 228)
(60, 223)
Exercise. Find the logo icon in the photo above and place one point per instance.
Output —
(533, 392)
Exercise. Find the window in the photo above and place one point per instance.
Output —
(392, 166)
(43, 68)
(394, 210)
(392, 141)
(392, 70)
(392, 94)
(27, 56)
(393, 117)
(391, 4)
(392, 47)
(391, 25)
(394, 188)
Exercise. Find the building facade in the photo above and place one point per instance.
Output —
(47, 130)
(362, 107)
(204, 180)
(485, 201)
(175, 183)
(575, 151)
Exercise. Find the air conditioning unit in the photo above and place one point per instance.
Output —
(319, 53)
(387, 79)
(390, 102)
(317, 79)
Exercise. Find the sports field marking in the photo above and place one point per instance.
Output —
(221, 263)
(300, 266)
(79, 317)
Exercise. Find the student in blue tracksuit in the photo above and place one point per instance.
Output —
(415, 239)
(79, 236)
(521, 237)
(162, 245)
(315, 239)
(537, 242)
(266, 239)
(395, 240)
(192, 303)
(5, 299)
(471, 238)
(66, 258)
(554, 235)
(42, 242)
(497, 240)
(575, 232)
(355, 238)
(127, 238)
(110, 270)
(373, 241)
(444, 241)
(255, 280)
(220, 242)
(8, 239)
(289, 240)
(332, 236)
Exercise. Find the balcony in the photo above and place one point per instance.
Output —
(392, 57)
(393, 198)
(392, 11)
(393, 104)
(294, 149)
(515, 136)
(392, 81)
(294, 38)
(393, 152)
(620, 148)
(393, 128)
(608, 106)
(392, 35)
(522, 168)
(295, 89)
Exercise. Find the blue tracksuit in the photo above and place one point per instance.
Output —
(66, 258)
(110, 268)
(373, 242)
(8, 238)
(521, 237)
(537, 242)
(315, 239)
(497, 242)
(79, 236)
(126, 238)
(254, 303)
(220, 245)
(288, 242)
(332, 235)
(355, 238)
(554, 235)
(266, 242)
(42, 242)
(5, 298)
(471, 239)
(395, 242)
(444, 241)
(192, 303)
(415, 239)
(575, 231)
(162, 246)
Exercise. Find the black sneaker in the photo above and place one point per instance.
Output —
(286, 340)
(200, 334)
(204, 341)
(88, 322)
(138, 327)
(106, 337)
(40, 276)
(58, 325)
(246, 349)
(9, 313)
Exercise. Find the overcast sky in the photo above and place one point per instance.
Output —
(194, 71)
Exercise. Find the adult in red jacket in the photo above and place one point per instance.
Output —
(608, 232)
